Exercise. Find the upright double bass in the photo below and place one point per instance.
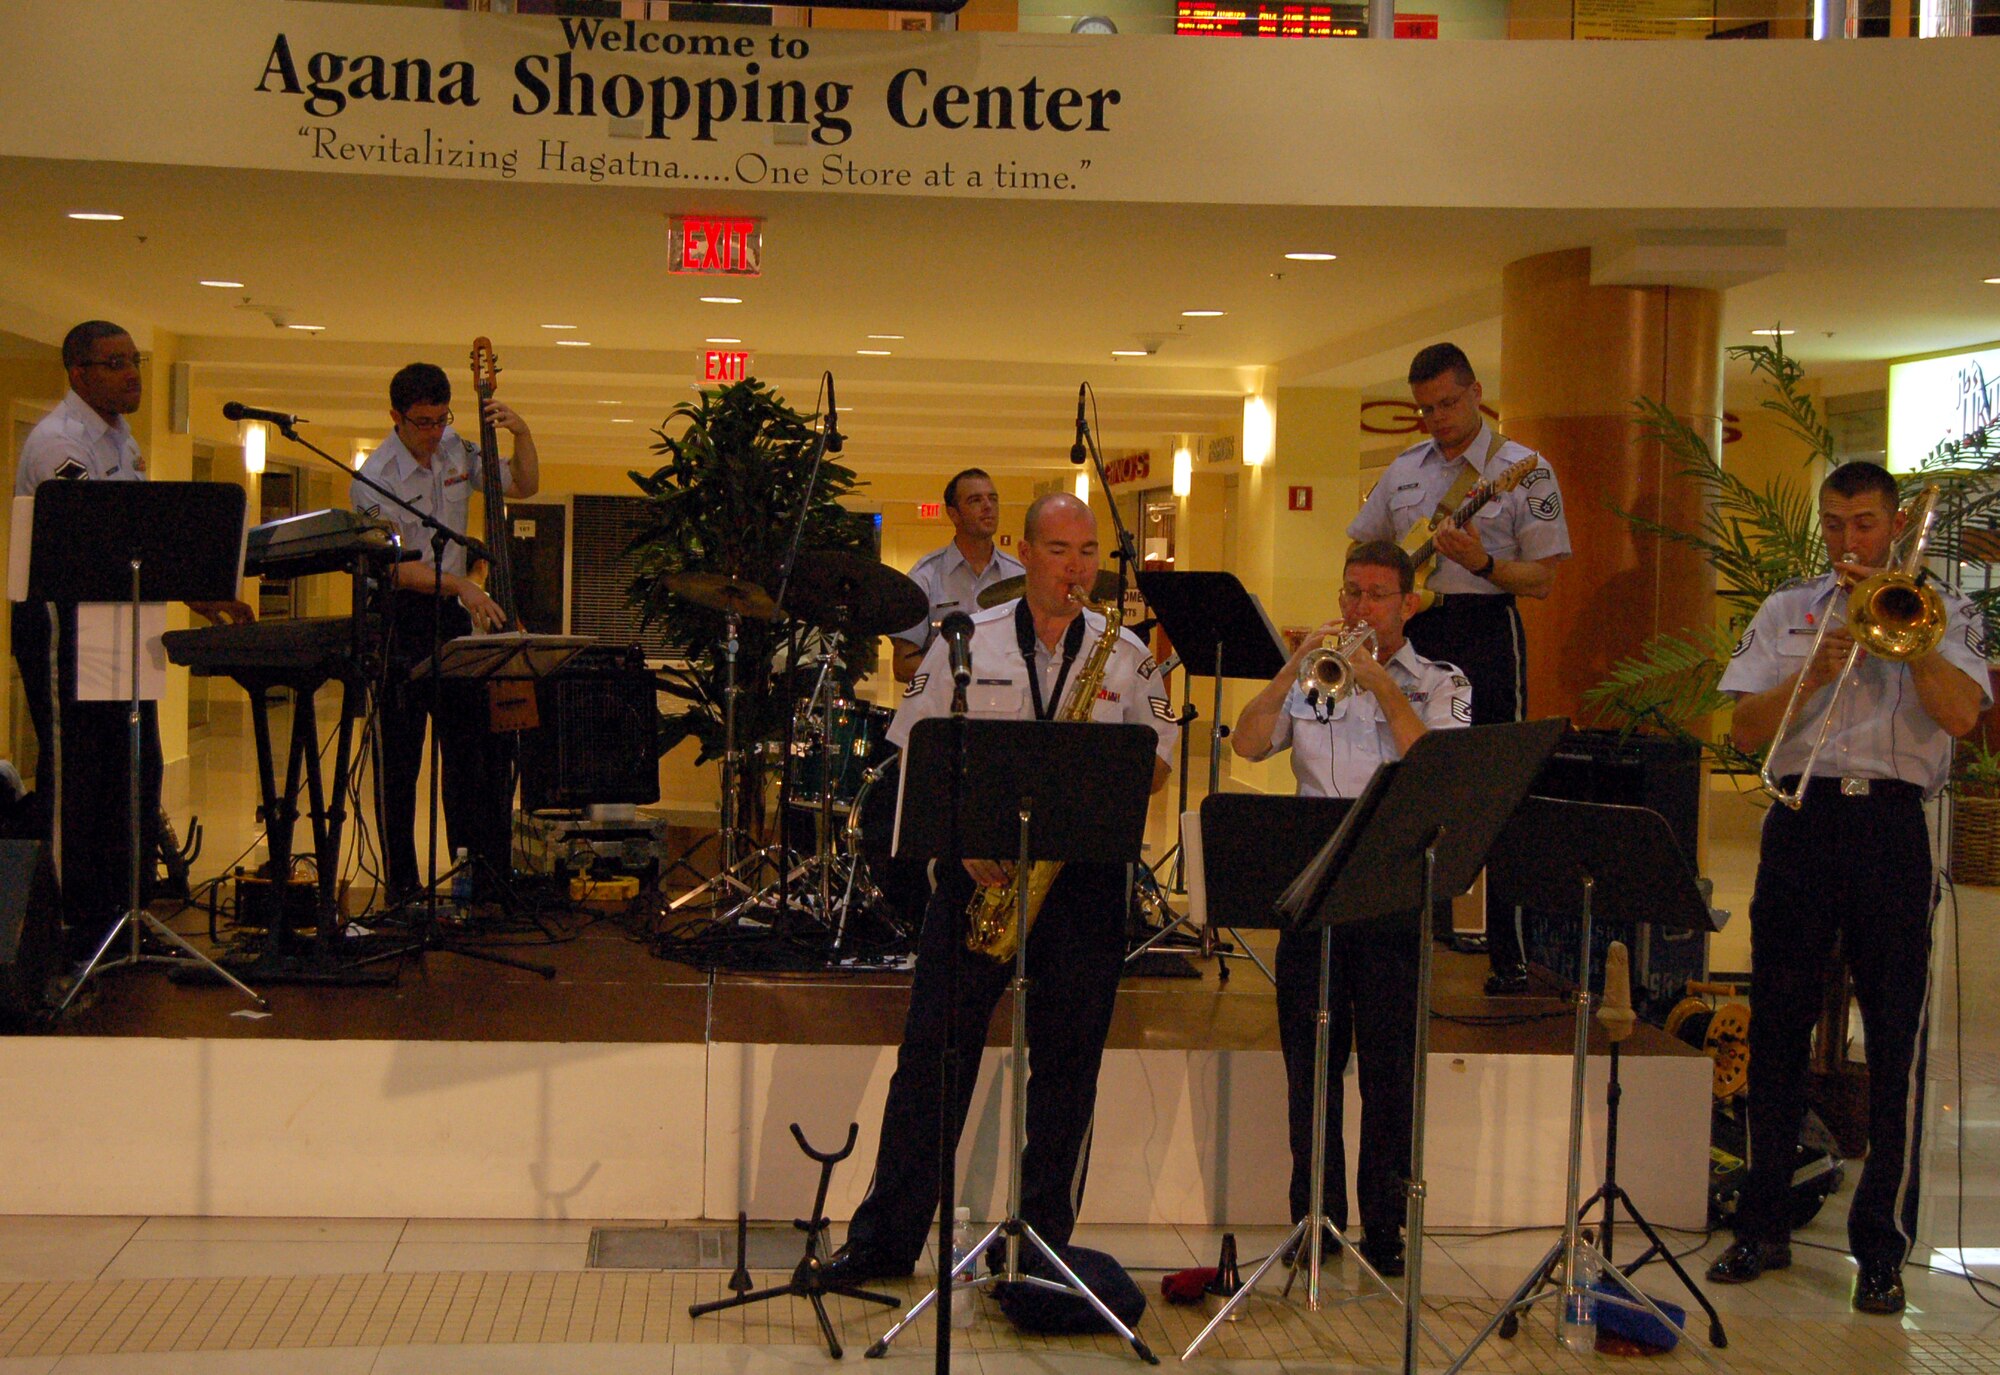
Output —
(510, 704)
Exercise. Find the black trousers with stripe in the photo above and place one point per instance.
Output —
(1483, 637)
(1859, 869)
(1075, 953)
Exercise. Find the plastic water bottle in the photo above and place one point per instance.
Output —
(1579, 1304)
(961, 1243)
(461, 879)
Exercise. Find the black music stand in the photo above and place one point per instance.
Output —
(1422, 827)
(1570, 858)
(1218, 628)
(1023, 791)
(148, 542)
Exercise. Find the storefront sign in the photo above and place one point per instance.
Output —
(1934, 400)
(1132, 468)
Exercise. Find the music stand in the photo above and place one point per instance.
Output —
(1422, 827)
(149, 542)
(1219, 628)
(1569, 858)
(1024, 791)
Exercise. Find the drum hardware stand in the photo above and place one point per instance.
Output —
(1651, 881)
(807, 1281)
(729, 827)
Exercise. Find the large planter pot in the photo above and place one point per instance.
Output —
(1975, 840)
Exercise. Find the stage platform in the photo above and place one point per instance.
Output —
(631, 1087)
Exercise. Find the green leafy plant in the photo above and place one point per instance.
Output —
(725, 500)
(1975, 768)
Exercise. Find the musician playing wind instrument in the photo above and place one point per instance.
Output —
(1023, 655)
(1851, 862)
(1391, 697)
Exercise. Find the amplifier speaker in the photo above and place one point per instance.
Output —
(30, 931)
(599, 740)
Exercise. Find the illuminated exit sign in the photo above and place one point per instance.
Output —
(929, 510)
(717, 246)
(725, 365)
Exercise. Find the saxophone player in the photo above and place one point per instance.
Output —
(1396, 696)
(1023, 655)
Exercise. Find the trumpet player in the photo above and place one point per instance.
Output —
(1023, 653)
(1851, 862)
(1341, 725)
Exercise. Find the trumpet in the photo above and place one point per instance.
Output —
(1326, 674)
(1894, 615)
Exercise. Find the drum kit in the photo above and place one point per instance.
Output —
(832, 760)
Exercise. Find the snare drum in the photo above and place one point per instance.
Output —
(854, 731)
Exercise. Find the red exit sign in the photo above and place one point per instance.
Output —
(725, 365)
(717, 246)
(929, 510)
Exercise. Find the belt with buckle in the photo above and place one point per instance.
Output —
(1878, 788)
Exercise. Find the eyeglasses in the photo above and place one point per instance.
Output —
(419, 424)
(122, 362)
(1351, 593)
(1450, 403)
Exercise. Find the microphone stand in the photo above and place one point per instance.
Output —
(442, 535)
(1127, 552)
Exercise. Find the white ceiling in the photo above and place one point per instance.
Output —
(1005, 306)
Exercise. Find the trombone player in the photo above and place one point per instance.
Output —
(1846, 856)
(1386, 696)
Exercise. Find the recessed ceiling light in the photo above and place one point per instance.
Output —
(843, 409)
(572, 343)
(611, 403)
(722, 300)
(216, 281)
(558, 326)
(1993, 281)
(1202, 314)
(622, 420)
(873, 353)
(885, 336)
(104, 215)
(1129, 353)
(1774, 333)
(307, 329)
(723, 339)
(1312, 257)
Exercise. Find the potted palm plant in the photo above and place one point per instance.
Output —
(1975, 811)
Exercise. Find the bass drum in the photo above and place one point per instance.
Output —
(902, 884)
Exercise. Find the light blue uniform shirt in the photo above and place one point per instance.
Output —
(444, 490)
(1336, 757)
(1880, 729)
(950, 585)
(74, 442)
(1526, 524)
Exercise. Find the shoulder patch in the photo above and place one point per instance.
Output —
(69, 470)
(917, 685)
(1161, 708)
(1459, 680)
(1461, 711)
(1147, 667)
(1975, 638)
(1545, 505)
(1538, 475)
(1748, 638)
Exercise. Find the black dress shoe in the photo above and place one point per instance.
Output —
(1509, 981)
(1878, 1288)
(1295, 1253)
(1746, 1260)
(1384, 1253)
(852, 1265)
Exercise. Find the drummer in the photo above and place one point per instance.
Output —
(953, 577)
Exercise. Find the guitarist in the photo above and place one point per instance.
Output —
(430, 465)
(1509, 548)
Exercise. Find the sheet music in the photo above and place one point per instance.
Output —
(1197, 877)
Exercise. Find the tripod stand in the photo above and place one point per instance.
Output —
(1554, 857)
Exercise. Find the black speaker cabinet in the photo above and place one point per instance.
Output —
(30, 931)
(599, 738)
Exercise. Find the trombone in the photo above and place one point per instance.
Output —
(1895, 614)
(1326, 674)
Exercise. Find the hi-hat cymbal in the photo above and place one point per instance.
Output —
(1103, 590)
(720, 592)
(854, 592)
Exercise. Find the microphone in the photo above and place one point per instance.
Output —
(835, 441)
(236, 410)
(1616, 1009)
(957, 631)
(1077, 453)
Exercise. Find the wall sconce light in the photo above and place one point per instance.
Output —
(1183, 471)
(254, 440)
(1083, 488)
(1259, 431)
(361, 452)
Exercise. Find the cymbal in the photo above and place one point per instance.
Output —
(856, 593)
(1103, 590)
(720, 592)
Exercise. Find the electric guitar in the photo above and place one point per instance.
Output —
(1421, 541)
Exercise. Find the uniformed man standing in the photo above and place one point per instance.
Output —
(954, 576)
(1398, 696)
(87, 438)
(430, 465)
(1023, 653)
(1509, 549)
(1853, 863)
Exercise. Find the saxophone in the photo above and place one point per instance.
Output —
(994, 930)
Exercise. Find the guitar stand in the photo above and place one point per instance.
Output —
(807, 1281)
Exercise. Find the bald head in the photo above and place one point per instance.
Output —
(1059, 553)
(1049, 505)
